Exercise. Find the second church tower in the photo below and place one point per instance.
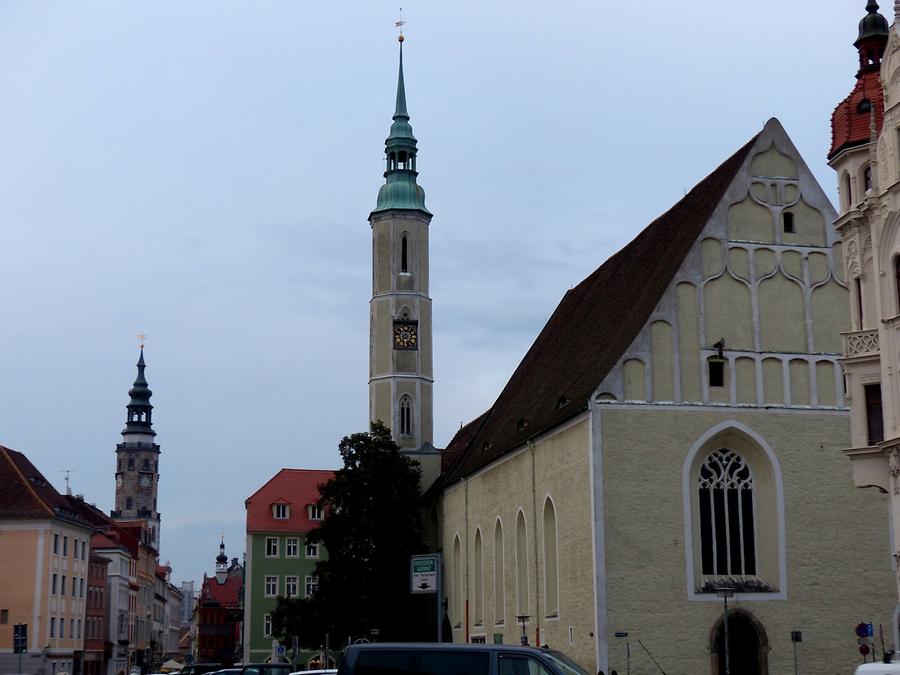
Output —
(400, 348)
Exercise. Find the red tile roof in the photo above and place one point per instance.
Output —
(27, 493)
(297, 487)
(224, 595)
(849, 127)
(592, 326)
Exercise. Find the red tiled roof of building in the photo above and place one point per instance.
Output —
(592, 326)
(27, 493)
(297, 487)
(850, 126)
(224, 595)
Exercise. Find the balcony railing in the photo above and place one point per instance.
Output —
(861, 343)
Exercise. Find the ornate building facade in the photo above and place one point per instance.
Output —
(865, 154)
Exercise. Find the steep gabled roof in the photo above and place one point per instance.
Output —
(850, 126)
(27, 493)
(592, 326)
(297, 487)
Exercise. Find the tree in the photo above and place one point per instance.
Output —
(300, 617)
(371, 527)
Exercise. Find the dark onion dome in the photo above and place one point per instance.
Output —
(872, 24)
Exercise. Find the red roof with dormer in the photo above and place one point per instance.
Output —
(849, 124)
(298, 488)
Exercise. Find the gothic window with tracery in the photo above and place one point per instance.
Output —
(727, 535)
(405, 416)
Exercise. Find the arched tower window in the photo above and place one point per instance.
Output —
(499, 577)
(897, 280)
(129, 503)
(479, 580)
(846, 197)
(727, 534)
(551, 560)
(405, 416)
(131, 463)
(457, 594)
(521, 565)
(867, 178)
(404, 254)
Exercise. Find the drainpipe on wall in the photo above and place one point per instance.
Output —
(534, 518)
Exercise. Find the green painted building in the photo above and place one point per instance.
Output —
(280, 561)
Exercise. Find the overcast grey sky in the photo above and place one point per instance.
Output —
(202, 172)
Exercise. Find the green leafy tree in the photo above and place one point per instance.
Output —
(371, 527)
(300, 617)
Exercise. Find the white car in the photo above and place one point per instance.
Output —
(327, 671)
(878, 669)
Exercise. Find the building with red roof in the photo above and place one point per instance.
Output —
(218, 614)
(280, 562)
(44, 546)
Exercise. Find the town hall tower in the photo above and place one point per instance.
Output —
(400, 347)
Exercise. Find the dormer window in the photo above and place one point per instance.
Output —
(865, 106)
(281, 511)
(315, 512)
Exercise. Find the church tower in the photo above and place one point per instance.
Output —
(137, 460)
(400, 347)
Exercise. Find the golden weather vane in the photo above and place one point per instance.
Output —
(143, 338)
(399, 23)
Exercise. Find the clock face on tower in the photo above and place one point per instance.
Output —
(406, 335)
(145, 480)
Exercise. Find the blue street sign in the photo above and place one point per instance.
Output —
(870, 630)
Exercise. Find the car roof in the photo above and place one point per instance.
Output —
(445, 646)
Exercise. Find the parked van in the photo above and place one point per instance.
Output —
(452, 659)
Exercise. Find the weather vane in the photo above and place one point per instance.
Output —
(142, 338)
(399, 23)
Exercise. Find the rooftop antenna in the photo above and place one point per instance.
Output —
(67, 472)
(399, 23)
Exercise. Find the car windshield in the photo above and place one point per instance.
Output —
(566, 665)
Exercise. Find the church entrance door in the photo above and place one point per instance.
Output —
(748, 646)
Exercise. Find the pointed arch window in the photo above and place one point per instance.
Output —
(521, 565)
(727, 533)
(457, 595)
(404, 255)
(405, 416)
(551, 560)
(499, 578)
(479, 580)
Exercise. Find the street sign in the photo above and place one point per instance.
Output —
(864, 650)
(622, 634)
(870, 630)
(20, 638)
(279, 650)
(423, 573)
(796, 636)
(862, 630)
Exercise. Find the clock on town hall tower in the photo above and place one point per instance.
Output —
(137, 461)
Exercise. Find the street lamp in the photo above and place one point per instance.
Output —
(726, 593)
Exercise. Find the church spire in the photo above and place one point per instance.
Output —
(872, 38)
(140, 410)
(401, 191)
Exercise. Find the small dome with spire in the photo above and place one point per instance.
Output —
(872, 24)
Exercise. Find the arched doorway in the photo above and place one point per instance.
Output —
(748, 645)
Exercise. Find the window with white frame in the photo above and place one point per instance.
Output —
(291, 547)
(290, 586)
(271, 547)
(315, 512)
(312, 550)
(267, 625)
(312, 585)
(271, 586)
(281, 511)
(734, 513)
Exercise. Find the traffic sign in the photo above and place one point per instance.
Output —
(423, 573)
(864, 650)
(862, 630)
(279, 650)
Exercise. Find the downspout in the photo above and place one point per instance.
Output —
(465, 606)
(537, 589)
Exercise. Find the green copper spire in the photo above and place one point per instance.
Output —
(400, 190)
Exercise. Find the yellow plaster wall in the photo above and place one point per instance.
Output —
(18, 551)
(828, 586)
(635, 384)
(779, 298)
(831, 316)
(825, 374)
(773, 381)
(745, 380)
(773, 164)
(728, 312)
(749, 221)
(560, 470)
(799, 373)
(809, 226)
(661, 355)
(689, 342)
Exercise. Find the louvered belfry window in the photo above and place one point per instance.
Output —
(728, 542)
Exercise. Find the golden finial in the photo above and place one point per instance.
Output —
(142, 339)
(399, 25)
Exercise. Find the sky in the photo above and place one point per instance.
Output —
(202, 172)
